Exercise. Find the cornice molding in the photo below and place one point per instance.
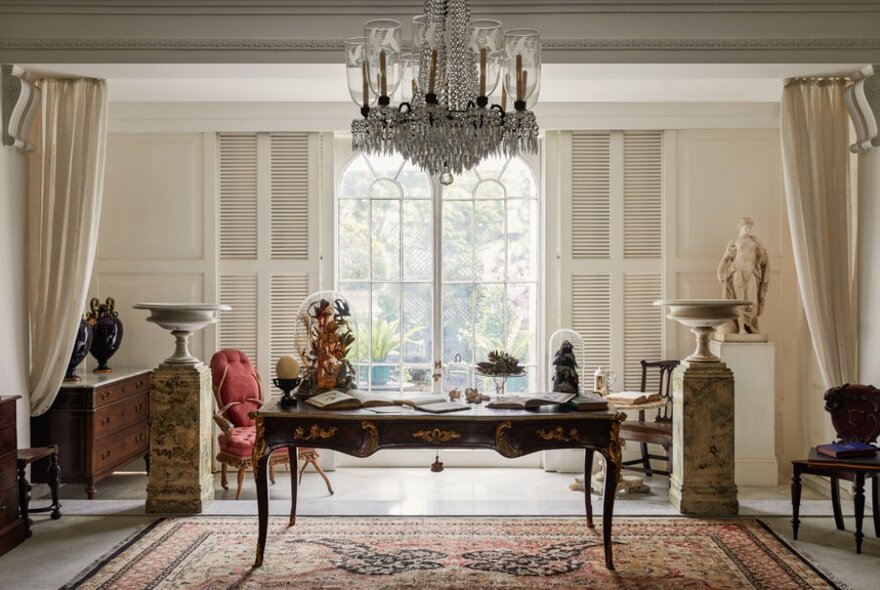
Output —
(331, 7)
(620, 44)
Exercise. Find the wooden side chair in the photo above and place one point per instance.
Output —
(656, 431)
(855, 414)
(238, 392)
(24, 458)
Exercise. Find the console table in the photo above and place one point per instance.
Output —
(512, 433)
(12, 525)
(99, 424)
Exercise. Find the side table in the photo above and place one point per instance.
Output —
(25, 458)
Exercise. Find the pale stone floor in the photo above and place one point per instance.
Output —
(60, 549)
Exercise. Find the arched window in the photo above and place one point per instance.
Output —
(434, 271)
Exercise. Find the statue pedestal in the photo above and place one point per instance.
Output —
(703, 439)
(754, 364)
(180, 440)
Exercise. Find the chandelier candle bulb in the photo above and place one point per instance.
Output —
(366, 86)
(383, 84)
(433, 78)
(519, 73)
(503, 98)
(482, 71)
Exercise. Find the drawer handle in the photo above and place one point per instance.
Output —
(105, 420)
(139, 438)
(139, 408)
(2, 507)
(104, 456)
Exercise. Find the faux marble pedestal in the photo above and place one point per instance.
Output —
(180, 440)
(754, 364)
(703, 439)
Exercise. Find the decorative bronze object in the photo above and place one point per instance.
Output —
(430, 436)
(286, 385)
(502, 444)
(473, 396)
(558, 434)
(315, 432)
(371, 440)
(106, 332)
(259, 445)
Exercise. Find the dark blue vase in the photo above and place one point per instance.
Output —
(106, 332)
(80, 350)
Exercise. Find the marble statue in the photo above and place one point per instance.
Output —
(744, 274)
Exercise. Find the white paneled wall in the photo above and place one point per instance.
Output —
(715, 177)
(157, 237)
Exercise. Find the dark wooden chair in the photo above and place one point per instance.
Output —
(855, 414)
(656, 431)
(24, 458)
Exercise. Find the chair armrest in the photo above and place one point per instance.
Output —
(225, 425)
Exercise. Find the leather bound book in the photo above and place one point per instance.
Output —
(843, 450)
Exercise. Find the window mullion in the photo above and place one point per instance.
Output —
(437, 287)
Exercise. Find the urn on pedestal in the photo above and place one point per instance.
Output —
(81, 346)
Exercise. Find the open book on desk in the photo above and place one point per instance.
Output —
(529, 400)
(355, 398)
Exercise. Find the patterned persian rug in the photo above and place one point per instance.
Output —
(452, 552)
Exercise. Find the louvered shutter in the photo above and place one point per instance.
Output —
(590, 196)
(642, 194)
(643, 327)
(237, 327)
(290, 196)
(287, 293)
(238, 196)
(591, 318)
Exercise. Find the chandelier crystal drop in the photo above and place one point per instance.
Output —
(443, 122)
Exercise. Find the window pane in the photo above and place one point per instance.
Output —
(522, 310)
(357, 179)
(386, 240)
(490, 319)
(522, 239)
(518, 179)
(458, 240)
(418, 316)
(489, 254)
(354, 239)
(489, 189)
(458, 322)
(386, 166)
(418, 250)
(415, 183)
(358, 297)
(462, 187)
(385, 189)
(491, 167)
(385, 338)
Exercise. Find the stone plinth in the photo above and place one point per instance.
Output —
(754, 364)
(180, 440)
(703, 439)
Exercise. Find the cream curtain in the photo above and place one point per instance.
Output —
(66, 176)
(815, 138)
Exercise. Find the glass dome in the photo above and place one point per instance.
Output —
(324, 339)
(561, 374)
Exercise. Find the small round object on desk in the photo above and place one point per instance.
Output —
(287, 367)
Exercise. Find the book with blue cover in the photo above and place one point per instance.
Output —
(843, 450)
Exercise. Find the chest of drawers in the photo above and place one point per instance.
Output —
(12, 529)
(99, 424)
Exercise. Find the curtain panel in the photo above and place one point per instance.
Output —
(66, 176)
(816, 162)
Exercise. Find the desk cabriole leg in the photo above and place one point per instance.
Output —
(261, 472)
(588, 485)
(613, 460)
(293, 453)
(795, 499)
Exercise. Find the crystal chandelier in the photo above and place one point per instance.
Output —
(444, 123)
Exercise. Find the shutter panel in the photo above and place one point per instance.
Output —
(238, 327)
(238, 196)
(290, 196)
(642, 196)
(642, 327)
(590, 196)
(287, 293)
(591, 317)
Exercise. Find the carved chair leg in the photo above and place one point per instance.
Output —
(224, 481)
(54, 477)
(646, 461)
(241, 472)
(835, 503)
(327, 479)
(795, 500)
(875, 503)
(272, 473)
(303, 469)
(859, 508)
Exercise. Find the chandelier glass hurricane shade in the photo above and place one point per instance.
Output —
(444, 122)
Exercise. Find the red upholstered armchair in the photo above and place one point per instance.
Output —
(238, 392)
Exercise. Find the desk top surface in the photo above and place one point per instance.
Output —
(477, 412)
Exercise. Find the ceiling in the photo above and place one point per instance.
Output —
(559, 82)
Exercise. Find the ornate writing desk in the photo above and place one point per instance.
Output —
(512, 433)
